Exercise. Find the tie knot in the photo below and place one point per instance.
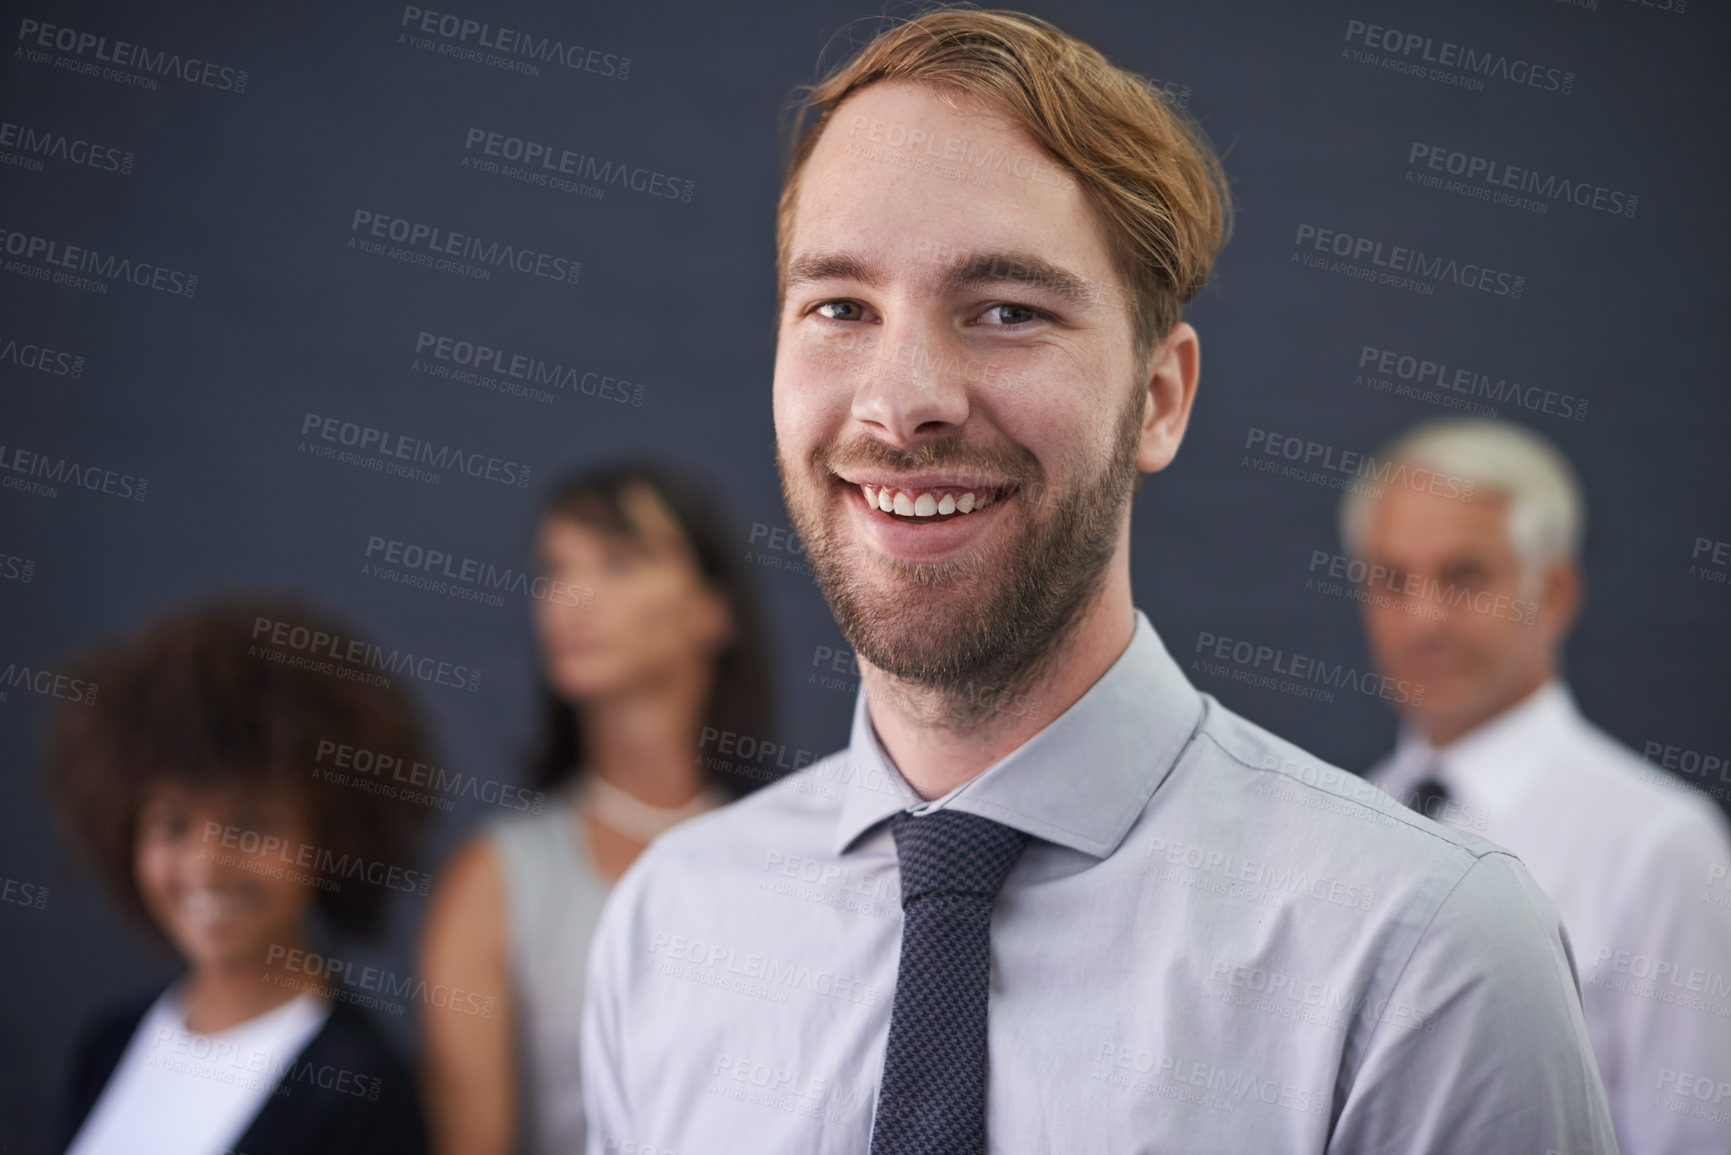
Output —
(954, 852)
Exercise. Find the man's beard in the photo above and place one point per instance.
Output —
(1018, 605)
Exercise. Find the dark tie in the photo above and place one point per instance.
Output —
(1429, 797)
(932, 1100)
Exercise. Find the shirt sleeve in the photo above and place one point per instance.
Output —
(606, 1103)
(1663, 984)
(1500, 1059)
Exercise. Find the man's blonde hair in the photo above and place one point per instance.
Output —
(1144, 164)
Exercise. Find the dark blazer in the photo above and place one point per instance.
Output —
(310, 1111)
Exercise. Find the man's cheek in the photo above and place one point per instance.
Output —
(1384, 635)
(791, 406)
(1403, 644)
(812, 409)
(797, 436)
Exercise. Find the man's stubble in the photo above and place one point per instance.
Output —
(982, 630)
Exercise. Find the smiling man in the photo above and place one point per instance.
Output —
(1120, 918)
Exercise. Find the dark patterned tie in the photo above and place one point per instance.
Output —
(1429, 797)
(932, 1100)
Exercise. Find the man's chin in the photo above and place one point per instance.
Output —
(905, 624)
(1444, 709)
(919, 586)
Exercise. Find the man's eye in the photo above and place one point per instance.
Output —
(840, 310)
(1466, 572)
(1009, 315)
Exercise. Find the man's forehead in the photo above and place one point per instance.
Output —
(1405, 517)
(899, 148)
(893, 111)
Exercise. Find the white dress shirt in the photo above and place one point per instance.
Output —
(1628, 853)
(1212, 943)
(179, 1092)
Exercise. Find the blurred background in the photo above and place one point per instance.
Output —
(488, 258)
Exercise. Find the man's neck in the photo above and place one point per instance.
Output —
(935, 758)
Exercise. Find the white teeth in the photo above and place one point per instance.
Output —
(206, 908)
(901, 502)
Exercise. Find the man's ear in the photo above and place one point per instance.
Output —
(1563, 592)
(1172, 373)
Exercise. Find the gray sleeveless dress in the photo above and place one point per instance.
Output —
(553, 899)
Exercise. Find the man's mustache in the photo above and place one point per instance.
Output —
(954, 455)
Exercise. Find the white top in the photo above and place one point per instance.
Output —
(1213, 942)
(1627, 852)
(178, 1092)
(553, 899)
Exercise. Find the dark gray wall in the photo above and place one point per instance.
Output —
(204, 395)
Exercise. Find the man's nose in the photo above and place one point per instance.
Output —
(916, 384)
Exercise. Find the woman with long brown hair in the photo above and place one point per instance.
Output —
(648, 641)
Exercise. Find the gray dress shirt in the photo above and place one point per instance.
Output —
(553, 899)
(1213, 943)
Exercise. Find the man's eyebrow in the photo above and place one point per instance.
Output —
(1019, 268)
(971, 272)
(835, 266)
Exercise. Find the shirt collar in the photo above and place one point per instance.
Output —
(1493, 764)
(1080, 782)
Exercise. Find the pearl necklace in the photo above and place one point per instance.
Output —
(621, 811)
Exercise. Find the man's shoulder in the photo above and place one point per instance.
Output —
(1279, 785)
(1633, 792)
(1286, 819)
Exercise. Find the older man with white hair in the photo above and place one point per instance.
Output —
(1472, 597)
